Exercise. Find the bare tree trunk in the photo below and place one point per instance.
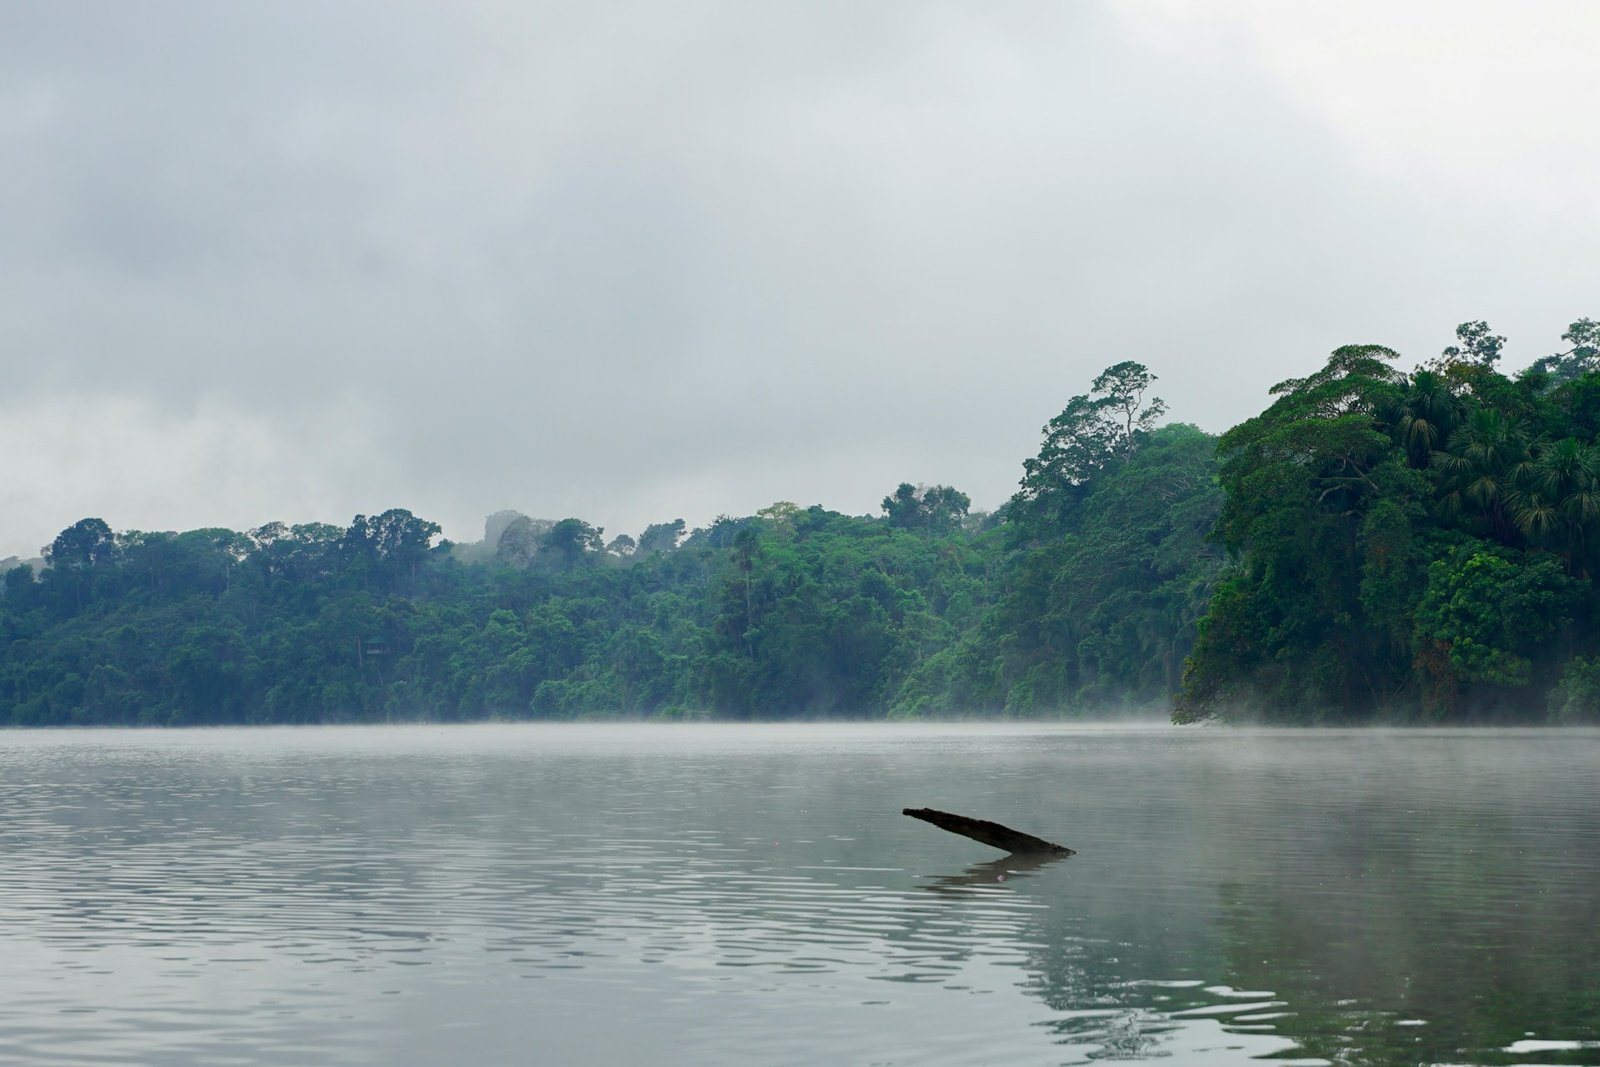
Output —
(989, 833)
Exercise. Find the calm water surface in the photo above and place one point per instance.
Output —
(751, 895)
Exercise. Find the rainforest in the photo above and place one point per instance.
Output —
(1376, 546)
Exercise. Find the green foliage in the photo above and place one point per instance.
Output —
(1301, 481)
(661, 537)
(571, 543)
(1485, 613)
(1404, 544)
(1373, 543)
(86, 543)
(1583, 357)
(1091, 434)
(1099, 613)
(936, 508)
(1477, 345)
(1576, 697)
(789, 612)
(794, 613)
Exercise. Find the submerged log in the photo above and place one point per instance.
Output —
(990, 833)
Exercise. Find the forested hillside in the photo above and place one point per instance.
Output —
(1376, 545)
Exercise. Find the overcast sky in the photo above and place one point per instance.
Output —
(640, 261)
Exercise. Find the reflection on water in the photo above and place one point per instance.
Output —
(994, 873)
(480, 895)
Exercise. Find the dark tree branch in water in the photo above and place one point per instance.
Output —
(989, 833)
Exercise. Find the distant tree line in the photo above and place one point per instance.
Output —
(1375, 545)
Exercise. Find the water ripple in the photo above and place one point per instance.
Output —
(506, 895)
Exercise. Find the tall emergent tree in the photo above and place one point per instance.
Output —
(1092, 432)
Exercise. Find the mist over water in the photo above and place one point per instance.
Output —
(751, 894)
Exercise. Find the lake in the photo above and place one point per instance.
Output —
(542, 894)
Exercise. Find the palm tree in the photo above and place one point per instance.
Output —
(1558, 499)
(1424, 415)
(1485, 462)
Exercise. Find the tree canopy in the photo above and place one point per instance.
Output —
(1406, 544)
(1376, 545)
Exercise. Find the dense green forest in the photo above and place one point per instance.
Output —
(1411, 545)
(1376, 545)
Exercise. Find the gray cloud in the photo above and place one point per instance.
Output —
(633, 261)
